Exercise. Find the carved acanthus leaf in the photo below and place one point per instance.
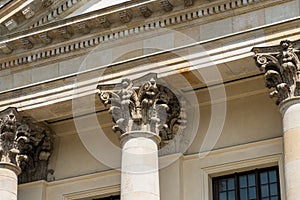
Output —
(147, 107)
(281, 66)
(26, 144)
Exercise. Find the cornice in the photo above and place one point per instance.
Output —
(19, 15)
(53, 12)
(74, 36)
(11, 8)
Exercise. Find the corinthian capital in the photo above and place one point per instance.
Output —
(281, 66)
(25, 144)
(143, 105)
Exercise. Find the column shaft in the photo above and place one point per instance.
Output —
(140, 180)
(8, 181)
(291, 137)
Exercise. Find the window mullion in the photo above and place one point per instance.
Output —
(278, 184)
(257, 182)
(237, 188)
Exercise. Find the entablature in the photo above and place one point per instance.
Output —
(80, 34)
(233, 60)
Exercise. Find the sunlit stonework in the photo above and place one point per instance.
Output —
(282, 69)
(25, 144)
(145, 106)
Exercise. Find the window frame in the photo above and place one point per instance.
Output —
(94, 193)
(236, 176)
(207, 173)
(108, 197)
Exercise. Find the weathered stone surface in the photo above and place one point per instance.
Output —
(281, 66)
(25, 144)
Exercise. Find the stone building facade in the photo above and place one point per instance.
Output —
(149, 99)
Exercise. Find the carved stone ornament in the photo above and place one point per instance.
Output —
(146, 12)
(104, 22)
(144, 106)
(281, 66)
(45, 38)
(188, 2)
(125, 16)
(25, 144)
(47, 3)
(166, 5)
(27, 44)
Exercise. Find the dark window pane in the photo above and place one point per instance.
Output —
(231, 184)
(243, 194)
(252, 193)
(274, 198)
(231, 195)
(263, 177)
(222, 185)
(251, 180)
(273, 189)
(110, 198)
(273, 176)
(223, 196)
(264, 191)
(243, 181)
(259, 184)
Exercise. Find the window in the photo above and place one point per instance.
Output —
(259, 184)
(117, 197)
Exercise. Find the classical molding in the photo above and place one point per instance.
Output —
(25, 144)
(284, 105)
(30, 14)
(281, 66)
(220, 51)
(108, 25)
(144, 105)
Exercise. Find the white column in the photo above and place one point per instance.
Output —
(8, 181)
(140, 179)
(290, 110)
(141, 110)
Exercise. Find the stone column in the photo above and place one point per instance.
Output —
(282, 68)
(140, 166)
(9, 181)
(146, 115)
(290, 110)
(24, 147)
